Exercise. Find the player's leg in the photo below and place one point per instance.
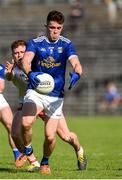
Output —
(34, 164)
(70, 137)
(7, 118)
(49, 144)
(66, 135)
(31, 107)
(29, 112)
(16, 131)
(53, 110)
(16, 134)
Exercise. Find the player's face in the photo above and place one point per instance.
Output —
(54, 30)
(18, 53)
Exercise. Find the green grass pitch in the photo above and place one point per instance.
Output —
(101, 138)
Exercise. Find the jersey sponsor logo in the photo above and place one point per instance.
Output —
(49, 62)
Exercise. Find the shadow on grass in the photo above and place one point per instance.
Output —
(68, 169)
(12, 170)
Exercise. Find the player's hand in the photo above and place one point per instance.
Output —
(74, 78)
(9, 66)
(8, 73)
(33, 80)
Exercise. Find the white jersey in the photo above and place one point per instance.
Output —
(20, 81)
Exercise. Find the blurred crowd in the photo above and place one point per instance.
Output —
(77, 9)
(111, 99)
(77, 12)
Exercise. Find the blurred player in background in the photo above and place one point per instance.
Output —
(6, 116)
(19, 79)
(49, 54)
(111, 99)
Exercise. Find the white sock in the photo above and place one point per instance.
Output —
(29, 145)
(36, 163)
(15, 149)
(80, 150)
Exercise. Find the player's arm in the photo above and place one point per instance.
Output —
(26, 61)
(26, 66)
(9, 73)
(77, 70)
(76, 65)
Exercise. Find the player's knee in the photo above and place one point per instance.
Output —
(50, 139)
(26, 123)
(68, 137)
(65, 137)
(8, 127)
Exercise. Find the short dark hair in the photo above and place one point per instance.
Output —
(55, 16)
(17, 43)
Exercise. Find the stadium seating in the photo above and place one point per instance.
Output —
(98, 44)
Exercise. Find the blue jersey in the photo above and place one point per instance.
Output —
(51, 58)
(2, 71)
(110, 96)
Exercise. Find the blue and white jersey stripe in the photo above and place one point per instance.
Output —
(2, 71)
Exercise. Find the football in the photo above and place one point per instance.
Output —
(46, 84)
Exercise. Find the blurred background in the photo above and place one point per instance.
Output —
(95, 27)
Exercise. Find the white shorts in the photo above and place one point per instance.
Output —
(3, 102)
(51, 105)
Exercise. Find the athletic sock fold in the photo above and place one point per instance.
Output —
(28, 150)
(44, 161)
(16, 153)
